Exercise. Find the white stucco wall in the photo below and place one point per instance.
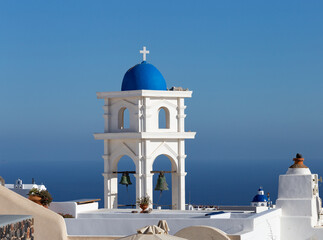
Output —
(298, 197)
(267, 226)
(72, 207)
(47, 225)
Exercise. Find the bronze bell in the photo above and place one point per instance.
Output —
(128, 179)
(161, 183)
(125, 179)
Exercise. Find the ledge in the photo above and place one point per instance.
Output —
(145, 135)
(144, 93)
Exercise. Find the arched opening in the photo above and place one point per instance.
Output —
(164, 198)
(123, 118)
(163, 118)
(126, 194)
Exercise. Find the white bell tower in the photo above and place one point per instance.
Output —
(144, 95)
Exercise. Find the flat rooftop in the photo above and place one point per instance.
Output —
(164, 214)
(122, 222)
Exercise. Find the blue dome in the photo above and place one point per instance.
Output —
(143, 76)
(260, 198)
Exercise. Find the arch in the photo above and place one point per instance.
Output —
(165, 103)
(165, 198)
(163, 118)
(165, 149)
(123, 118)
(126, 194)
(115, 160)
(171, 159)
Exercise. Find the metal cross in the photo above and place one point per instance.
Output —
(144, 53)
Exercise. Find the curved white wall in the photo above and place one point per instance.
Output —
(47, 224)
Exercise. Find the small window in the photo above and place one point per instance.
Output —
(124, 118)
(163, 118)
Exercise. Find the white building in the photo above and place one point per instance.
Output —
(22, 188)
(260, 200)
(144, 99)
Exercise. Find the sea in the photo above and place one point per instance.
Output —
(208, 182)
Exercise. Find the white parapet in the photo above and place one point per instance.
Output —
(72, 207)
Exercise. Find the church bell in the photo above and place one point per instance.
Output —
(125, 179)
(161, 183)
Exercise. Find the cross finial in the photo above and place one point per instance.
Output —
(144, 53)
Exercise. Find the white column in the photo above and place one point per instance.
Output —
(175, 190)
(106, 115)
(106, 190)
(110, 190)
(181, 190)
(181, 174)
(138, 184)
(140, 115)
(139, 179)
(107, 182)
(148, 179)
(147, 115)
(110, 180)
(180, 115)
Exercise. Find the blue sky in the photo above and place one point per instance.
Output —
(255, 68)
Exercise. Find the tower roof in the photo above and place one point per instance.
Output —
(143, 76)
(260, 197)
(298, 162)
(298, 167)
